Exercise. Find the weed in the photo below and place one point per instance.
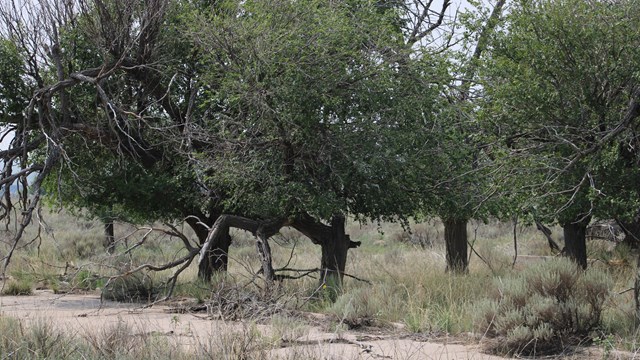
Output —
(232, 344)
(113, 340)
(606, 342)
(287, 328)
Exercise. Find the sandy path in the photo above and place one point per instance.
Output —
(82, 314)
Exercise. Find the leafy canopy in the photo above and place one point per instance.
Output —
(559, 81)
(315, 107)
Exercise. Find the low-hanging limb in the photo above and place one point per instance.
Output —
(183, 262)
(547, 234)
(262, 230)
(308, 272)
(316, 231)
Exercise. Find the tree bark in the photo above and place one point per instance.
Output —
(455, 237)
(109, 236)
(217, 258)
(335, 244)
(575, 244)
(264, 250)
(334, 254)
(216, 240)
(636, 292)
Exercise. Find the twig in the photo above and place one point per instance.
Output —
(478, 255)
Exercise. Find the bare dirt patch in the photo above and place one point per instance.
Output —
(82, 314)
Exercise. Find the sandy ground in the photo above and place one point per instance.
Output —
(86, 313)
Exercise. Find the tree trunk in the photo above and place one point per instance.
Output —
(213, 254)
(264, 250)
(334, 255)
(455, 237)
(575, 244)
(334, 244)
(636, 292)
(217, 257)
(109, 237)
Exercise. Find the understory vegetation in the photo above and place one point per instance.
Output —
(412, 166)
(542, 305)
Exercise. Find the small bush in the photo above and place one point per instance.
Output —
(545, 309)
(357, 308)
(288, 329)
(86, 280)
(41, 340)
(130, 288)
(113, 341)
(419, 236)
(17, 288)
(81, 244)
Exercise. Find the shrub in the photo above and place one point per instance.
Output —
(86, 280)
(14, 287)
(129, 288)
(420, 236)
(545, 309)
(41, 340)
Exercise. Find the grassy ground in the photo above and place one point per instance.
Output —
(406, 284)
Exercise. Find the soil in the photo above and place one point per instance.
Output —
(84, 313)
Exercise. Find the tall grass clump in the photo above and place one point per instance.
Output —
(41, 340)
(545, 309)
(231, 344)
(18, 287)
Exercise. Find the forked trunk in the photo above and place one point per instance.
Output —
(217, 257)
(334, 255)
(213, 253)
(575, 243)
(335, 244)
(455, 237)
(109, 237)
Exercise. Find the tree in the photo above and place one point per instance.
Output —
(111, 81)
(562, 95)
(463, 177)
(284, 113)
(318, 113)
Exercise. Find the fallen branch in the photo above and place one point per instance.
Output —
(309, 271)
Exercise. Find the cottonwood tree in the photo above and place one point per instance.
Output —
(562, 95)
(298, 122)
(462, 188)
(318, 114)
(94, 85)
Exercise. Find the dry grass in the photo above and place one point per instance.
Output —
(408, 285)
